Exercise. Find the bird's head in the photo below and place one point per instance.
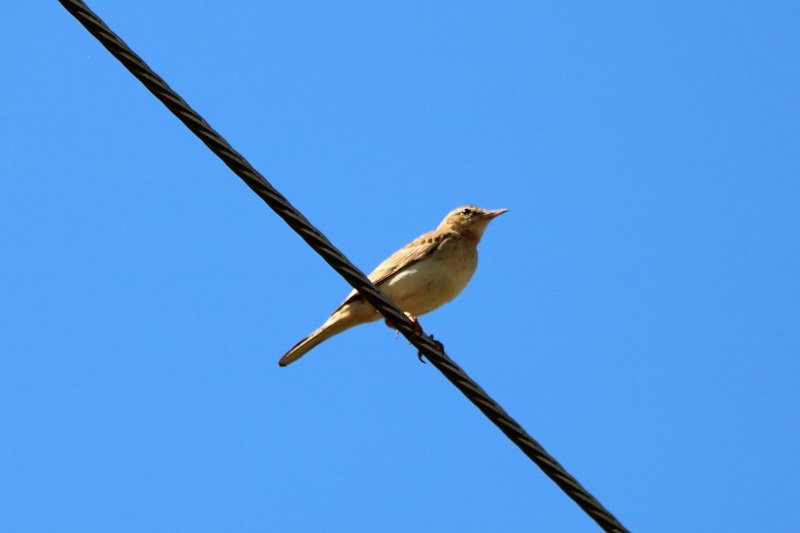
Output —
(469, 221)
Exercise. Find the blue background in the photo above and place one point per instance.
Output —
(637, 310)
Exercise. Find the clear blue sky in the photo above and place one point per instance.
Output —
(637, 310)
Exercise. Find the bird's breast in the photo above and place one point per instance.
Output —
(433, 282)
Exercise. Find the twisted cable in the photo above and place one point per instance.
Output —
(427, 346)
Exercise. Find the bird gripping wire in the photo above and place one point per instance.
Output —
(427, 346)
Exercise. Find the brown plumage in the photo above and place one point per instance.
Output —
(423, 275)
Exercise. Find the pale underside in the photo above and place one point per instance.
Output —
(417, 279)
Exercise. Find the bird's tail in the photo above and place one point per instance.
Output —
(330, 328)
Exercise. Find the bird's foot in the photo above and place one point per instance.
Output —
(438, 344)
(415, 324)
(417, 331)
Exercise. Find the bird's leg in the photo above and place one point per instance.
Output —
(414, 322)
(417, 331)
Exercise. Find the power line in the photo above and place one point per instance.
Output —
(427, 346)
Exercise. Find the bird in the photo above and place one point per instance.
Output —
(425, 274)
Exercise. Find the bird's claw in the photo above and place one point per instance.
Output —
(417, 331)
(438, 344)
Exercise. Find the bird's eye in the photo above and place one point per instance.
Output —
(466, 211)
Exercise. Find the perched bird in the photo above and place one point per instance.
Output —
(422, 276)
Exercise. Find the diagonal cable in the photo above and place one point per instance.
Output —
(427, 346)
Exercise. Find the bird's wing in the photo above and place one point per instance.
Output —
(417, 250)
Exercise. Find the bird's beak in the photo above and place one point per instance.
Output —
(489, 215)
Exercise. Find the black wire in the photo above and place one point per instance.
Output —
(427, 346)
